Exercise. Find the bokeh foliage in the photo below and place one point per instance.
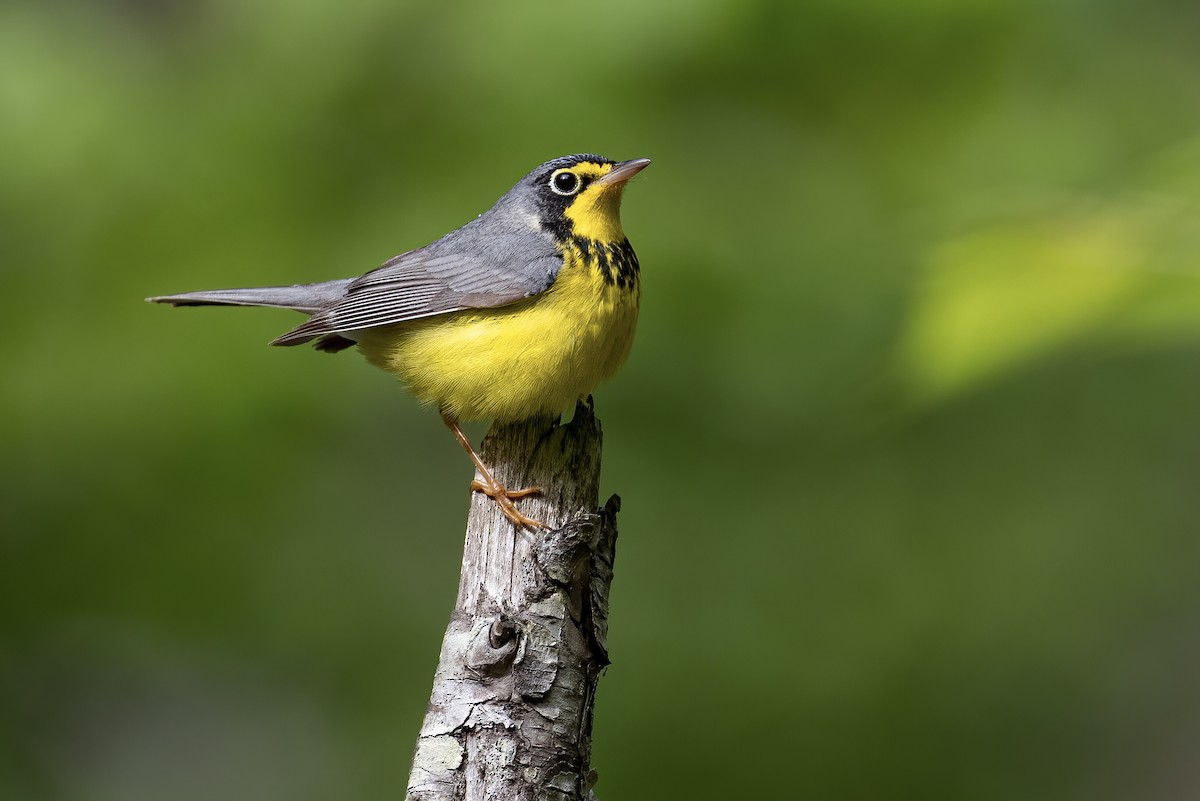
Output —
(908, 441)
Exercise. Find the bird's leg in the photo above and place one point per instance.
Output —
(492, 488)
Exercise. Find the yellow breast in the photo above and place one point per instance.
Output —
(536, 356)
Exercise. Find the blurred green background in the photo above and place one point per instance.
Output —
(908, 442)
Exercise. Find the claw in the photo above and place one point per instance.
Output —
(492, 488)
(504, 499)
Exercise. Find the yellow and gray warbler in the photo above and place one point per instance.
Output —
(519, 312)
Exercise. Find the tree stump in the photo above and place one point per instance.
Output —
(510, 716)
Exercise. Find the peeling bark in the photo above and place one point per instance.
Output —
(510, 716)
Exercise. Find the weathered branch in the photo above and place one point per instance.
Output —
(510, 717)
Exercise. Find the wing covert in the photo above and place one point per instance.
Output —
(437, 279)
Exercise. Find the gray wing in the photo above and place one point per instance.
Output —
(466, 269)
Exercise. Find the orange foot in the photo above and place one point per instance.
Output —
(504, 499)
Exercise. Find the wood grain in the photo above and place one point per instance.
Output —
(510, 716)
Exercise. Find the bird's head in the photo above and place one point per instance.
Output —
(577, 195)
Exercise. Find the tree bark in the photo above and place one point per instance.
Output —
(510, 716)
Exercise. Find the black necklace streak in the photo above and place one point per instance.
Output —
(617, 262)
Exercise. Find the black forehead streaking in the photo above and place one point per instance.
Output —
(570, 161)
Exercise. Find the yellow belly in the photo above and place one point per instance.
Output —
(510, 363)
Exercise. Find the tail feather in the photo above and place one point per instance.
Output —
(300, 297)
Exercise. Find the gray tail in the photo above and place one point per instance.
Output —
(300, 297)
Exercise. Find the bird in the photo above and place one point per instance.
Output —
(520, 312)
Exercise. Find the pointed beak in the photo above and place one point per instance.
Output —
(623, 171)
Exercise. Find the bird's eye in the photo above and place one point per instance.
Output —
(564, 182)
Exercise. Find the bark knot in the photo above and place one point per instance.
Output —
(493, 647)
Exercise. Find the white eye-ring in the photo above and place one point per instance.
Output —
(565, 182)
